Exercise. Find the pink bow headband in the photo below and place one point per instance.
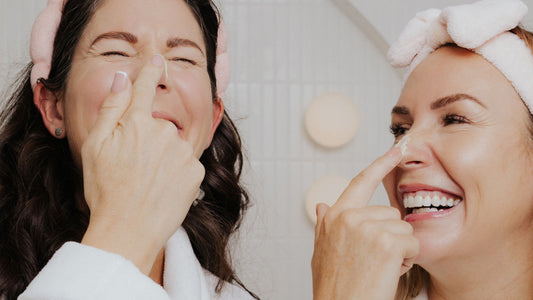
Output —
(45, 28)
(482, 27)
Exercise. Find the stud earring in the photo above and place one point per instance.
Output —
(59, 131)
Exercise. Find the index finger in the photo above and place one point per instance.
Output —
(144, 87)
(362, 187)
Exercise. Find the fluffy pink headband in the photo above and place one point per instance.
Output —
(44, 32)
(482, 27)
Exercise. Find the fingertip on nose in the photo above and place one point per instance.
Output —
(158, 60)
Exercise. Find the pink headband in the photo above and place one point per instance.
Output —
(42, 46)
(482, 27)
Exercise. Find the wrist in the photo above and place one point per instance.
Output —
(127, 242)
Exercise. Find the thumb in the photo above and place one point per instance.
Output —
(114, 106)
(321, 209)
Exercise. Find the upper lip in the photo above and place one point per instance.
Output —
(165, 116)
(415, 187)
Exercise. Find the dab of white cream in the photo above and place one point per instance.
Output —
(403, 143)
(166, 69)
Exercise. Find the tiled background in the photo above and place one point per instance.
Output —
(284, 53)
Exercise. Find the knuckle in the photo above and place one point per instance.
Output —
(347, 219)
(359, 178)
(367, 228)
(198, 168)
(395, 213)
(408, 228)
(387, 242)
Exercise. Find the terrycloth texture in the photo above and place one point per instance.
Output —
(78, 272)
(222, 67)
(45, 28)
(42, 39)
(482, 27)
(184, 277)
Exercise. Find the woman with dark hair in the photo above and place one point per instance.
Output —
(119, 169)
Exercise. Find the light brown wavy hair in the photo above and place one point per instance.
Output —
(412, 282)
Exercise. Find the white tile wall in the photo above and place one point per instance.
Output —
(284, 53)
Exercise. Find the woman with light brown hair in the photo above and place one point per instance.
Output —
(459, 177)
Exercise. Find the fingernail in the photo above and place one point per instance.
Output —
(119, 82)
(158, 60)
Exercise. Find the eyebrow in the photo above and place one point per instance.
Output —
(177, 42)
(132, 39)
(125, 36)
(440, 103)
(453, 98)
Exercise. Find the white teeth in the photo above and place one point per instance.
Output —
(427, 203)
(424, 210)
(419, 201)
(435, 201)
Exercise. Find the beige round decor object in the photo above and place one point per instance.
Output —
(332, 120)
(327, 190)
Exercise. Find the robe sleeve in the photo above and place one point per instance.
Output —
(77, 272)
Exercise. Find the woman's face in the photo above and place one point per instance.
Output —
(123, 35)
(469, 142)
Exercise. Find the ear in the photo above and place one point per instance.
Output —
(218, 114)
(51, 109)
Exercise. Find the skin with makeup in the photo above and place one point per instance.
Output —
(460, 194)
(140, 118)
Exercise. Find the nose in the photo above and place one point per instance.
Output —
(418, 153)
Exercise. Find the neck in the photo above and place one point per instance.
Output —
(500, 272)
(156, 274)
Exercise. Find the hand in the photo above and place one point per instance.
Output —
(360, 252)
(140, 177)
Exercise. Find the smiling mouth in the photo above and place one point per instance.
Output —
(428, 201)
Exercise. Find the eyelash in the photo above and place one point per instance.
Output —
(111, 53)
(451, 119)
(398, 129)
(184, 60)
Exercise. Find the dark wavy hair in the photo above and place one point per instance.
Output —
(41, 189)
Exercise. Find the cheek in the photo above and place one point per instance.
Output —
(195, 91)
(488, 165)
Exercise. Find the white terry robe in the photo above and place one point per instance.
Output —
(77, 272)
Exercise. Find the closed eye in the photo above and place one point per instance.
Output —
(181, 59)
(115, 53)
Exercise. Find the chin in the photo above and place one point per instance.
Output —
(439, 236)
